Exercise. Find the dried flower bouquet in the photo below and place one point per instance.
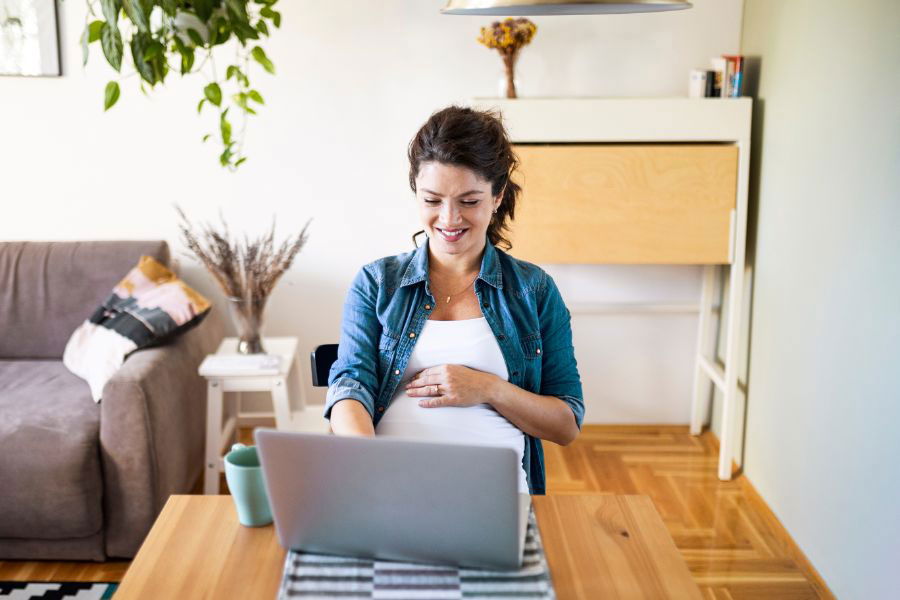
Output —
(508, 37)
(246, 270)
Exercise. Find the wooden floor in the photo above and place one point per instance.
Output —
(732, 543)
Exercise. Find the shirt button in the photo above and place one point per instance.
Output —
(486, 305)
(396, 371)
(380, 409)
(501, 337)
(427, 307)
(515, 373)
(538, 350)
(412, 335)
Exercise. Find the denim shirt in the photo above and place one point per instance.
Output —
(390, 300)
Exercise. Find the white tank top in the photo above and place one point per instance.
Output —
(470, 343)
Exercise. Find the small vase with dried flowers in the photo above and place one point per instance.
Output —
(508, 37)
(246, 270)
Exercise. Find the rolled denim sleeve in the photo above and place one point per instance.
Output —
(559, 370)
(354, 375)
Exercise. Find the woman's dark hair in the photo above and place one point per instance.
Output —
(477, 140)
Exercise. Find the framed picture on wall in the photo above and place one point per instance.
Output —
(29, 38)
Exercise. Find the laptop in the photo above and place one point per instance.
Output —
(395, 499)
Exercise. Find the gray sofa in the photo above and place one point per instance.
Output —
(81, 480)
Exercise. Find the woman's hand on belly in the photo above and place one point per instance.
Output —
(451, 385)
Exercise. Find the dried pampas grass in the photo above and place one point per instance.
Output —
(245, 269)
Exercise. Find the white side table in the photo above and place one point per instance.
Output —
(282, 382)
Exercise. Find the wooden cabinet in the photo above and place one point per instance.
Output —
(625, 203)
(643, 181)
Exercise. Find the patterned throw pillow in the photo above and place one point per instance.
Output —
(147, 308)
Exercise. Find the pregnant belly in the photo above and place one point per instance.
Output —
(471, 425)
(464, 424)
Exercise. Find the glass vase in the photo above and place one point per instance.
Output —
(247, 316)
(509, 80)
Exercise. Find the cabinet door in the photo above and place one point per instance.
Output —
(625, 203)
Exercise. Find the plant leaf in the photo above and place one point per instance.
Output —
(85, 51)
(187, 54)
(169, 6)
(94, 30)
(213, 93)
(111, 95)
(206, 137)
(225, 128)
(179, 45)
(195, 37)
(256, 97)
(140, 45)
(241, 100)
(266, 12)
(238, 9)
(204, 9)
(111, 12)
(245, 32)
(135, 12)
(262, 27)
(259, 55)
(240, 161)
(187, 61)
(200, 105)
(160, 67)
(111, 41)
(153, 49)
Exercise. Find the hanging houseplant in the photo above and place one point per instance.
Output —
(181, 36)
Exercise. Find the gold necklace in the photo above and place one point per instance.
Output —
(454, 294)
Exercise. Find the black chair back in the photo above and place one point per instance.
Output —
(321, 360)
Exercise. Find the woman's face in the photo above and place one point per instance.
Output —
(455, 207)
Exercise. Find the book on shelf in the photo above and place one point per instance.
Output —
(718, 67)
(735, 74)
(728, 76)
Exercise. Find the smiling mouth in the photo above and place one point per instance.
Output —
(451, 235)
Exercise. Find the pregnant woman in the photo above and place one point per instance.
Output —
(457, 341)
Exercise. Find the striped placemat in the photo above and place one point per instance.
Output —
(320, 576)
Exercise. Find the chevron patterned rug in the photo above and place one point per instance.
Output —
(56, 590)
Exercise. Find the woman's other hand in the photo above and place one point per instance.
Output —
(451, 385)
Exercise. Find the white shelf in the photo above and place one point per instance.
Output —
(582, 120)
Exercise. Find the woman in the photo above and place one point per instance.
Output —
(457, 340)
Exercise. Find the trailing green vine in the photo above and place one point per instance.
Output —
(164, 36)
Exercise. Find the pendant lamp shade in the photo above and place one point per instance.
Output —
(527, 8)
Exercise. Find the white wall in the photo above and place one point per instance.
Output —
(824, 384)
(355, 80)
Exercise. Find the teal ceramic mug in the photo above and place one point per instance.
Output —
(247, 486)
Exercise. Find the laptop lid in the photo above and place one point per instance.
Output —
(394, 499)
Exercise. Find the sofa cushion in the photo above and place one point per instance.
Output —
(149, 307)
(48, 288)
(50, 478)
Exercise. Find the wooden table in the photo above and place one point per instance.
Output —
(598, 547)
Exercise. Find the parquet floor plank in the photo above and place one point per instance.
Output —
(733, 550)
(732, 543)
